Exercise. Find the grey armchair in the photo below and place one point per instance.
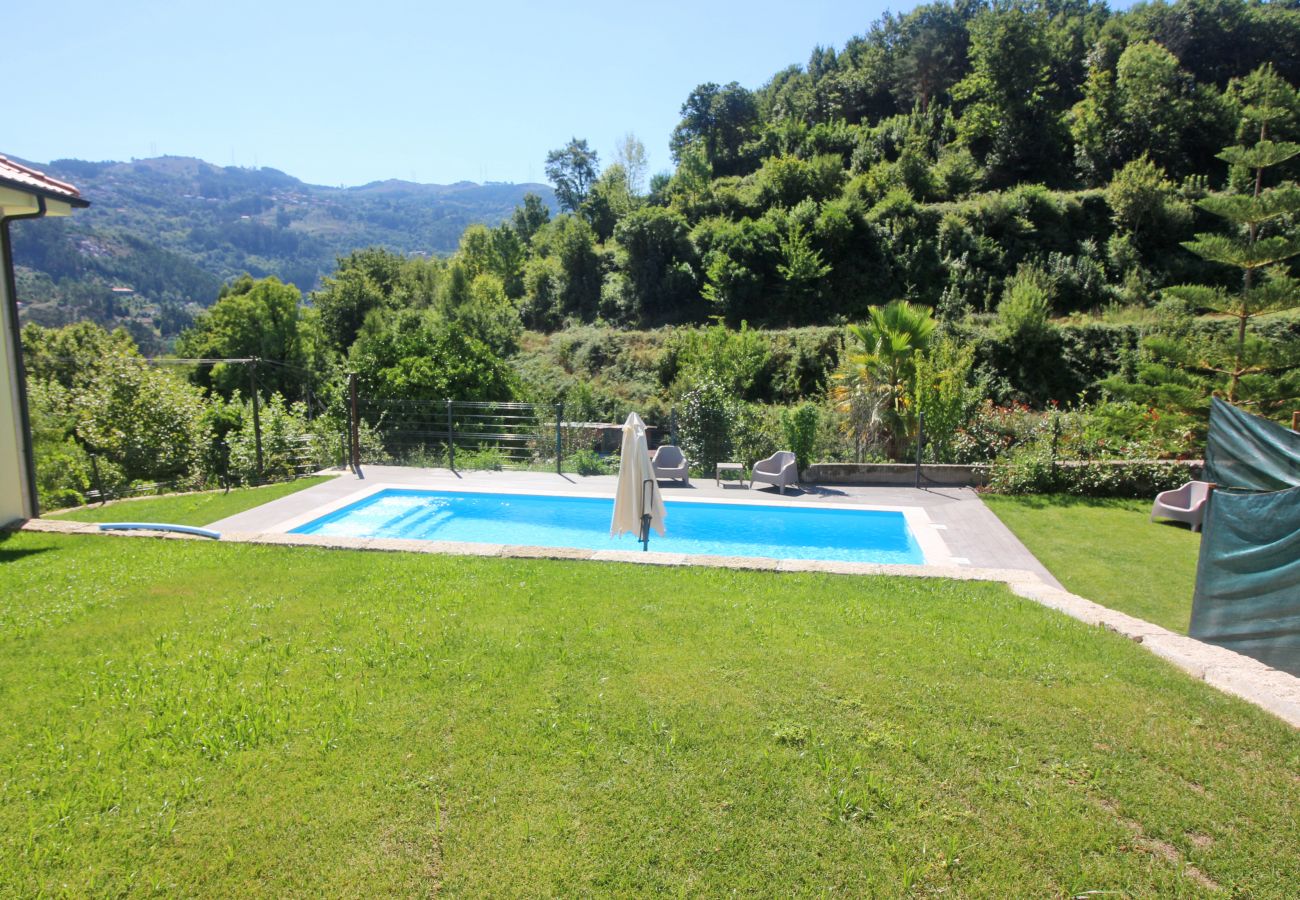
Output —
(779, 469)
(669, 462)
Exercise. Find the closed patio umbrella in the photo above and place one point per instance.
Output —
(638, 505)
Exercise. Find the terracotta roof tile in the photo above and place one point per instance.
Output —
(22, 177)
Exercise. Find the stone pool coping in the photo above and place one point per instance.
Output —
(1272, 690)
(928, 538)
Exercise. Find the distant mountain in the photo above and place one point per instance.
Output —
(166, 232)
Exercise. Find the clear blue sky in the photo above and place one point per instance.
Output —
(345, 93)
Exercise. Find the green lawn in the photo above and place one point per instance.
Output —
(1108, 551)
(189, 509)
(230, 720)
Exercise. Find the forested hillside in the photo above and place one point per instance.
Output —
(172, 229)
(1042, 227)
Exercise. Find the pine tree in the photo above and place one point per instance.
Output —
(1259, 248)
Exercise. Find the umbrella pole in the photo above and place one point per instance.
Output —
(646, 497)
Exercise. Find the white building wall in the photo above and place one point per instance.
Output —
(13, 470)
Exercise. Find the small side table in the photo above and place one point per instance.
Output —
(729, 467)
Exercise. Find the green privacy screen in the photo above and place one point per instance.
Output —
(1246, 452)
(1248, 574)
(1248, 577)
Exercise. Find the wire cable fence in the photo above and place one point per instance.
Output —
(451, 433)
(475, 434)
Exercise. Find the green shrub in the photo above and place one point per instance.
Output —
(800, 429)
(588, 462)
(485, 459)
(756, 432)
(1030, 471)
(705, 425)
(287, 441)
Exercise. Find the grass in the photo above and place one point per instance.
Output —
(1108, 551)
(232, 720)
(189, 509)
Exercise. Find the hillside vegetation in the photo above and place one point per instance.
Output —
(1046, 230)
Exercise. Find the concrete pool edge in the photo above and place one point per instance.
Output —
(934, 550)
(1272, 690)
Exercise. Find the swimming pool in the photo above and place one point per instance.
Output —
(696, 527)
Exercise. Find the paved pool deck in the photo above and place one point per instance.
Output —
(970, 533)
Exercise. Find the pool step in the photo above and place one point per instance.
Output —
(396, 521)
(419, 526)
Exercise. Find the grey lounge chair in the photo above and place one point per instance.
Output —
(1185, 504)
(669, 462)
(779, 469)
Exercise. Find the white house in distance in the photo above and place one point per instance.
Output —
(24, 194)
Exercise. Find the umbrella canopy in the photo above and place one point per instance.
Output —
(637, 494)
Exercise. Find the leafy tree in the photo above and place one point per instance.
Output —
(656, 257)
(739, 260)
(488, 315)
(802, 268)
(630, 154)
(932, 54)
(1144, 202)
(477, 251)
(286, 437)
(529, 217)
(509, 254)
(692, 178)
(63, 470)
(787, 181)
(572, 169)
(705, 423)
(721, 120)
(413, 355)
(799, 427)
(146, 421)
(572, 243)
(262, 319)
(364, 280)
(1148, 106)
(609, 201)
(942, 392)
(542, 306)
(72, 355)
(1011, 118)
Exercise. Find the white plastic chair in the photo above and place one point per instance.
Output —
(779, 469)
(1184, 504)
(669, 462)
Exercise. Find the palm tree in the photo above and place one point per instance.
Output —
(874, 384)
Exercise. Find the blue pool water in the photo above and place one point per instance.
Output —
(720, 529)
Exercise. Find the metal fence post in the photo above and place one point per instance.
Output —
(99, 485)
(1056, 438)
(920, 442)
(257, 417)
(451, 440)
(672, 426)
(354, 427)
(559, 439)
